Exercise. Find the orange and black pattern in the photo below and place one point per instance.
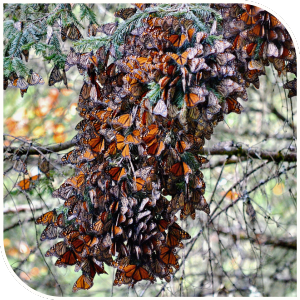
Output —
(137, 159)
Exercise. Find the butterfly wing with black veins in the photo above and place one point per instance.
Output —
(125, 13)
(34, 78)
(160, 109)
(55, 76)
(108, 28)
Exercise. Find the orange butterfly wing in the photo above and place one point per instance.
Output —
(47, 218)
(177, 40)
(126, 152)
(191, 99)
(180, 169)
(83, 283)
(117, 173)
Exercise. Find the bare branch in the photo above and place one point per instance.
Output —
(251, 153)
(262, 239)
(40, 149)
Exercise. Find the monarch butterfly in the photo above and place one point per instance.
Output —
(168, 257)
(96, 144)
(63, 32)
(71, 32)
(83, 282)
(74, 211)
(199, 201)
(90, 267)
(181, 146)
(102, 55)
(23, 91)
(140, 182)
(108, 28)
(47, 218)
(274, 22)
(70, 201)
(117, 173)
(125, 13)
(64, 192)
(200, 36)
(71, 158)
(161, 270)
(69, 235)
(133, 138)
(227, 86)
(177, 40)
(156, 148)
(179, 59)
(251, 9)
(21, 83)
(188, 210)
(86, 156)
(124, 120)
(180, 169)
(97, 226)
(221, 46)
(76, 181)
(13, 76)
(92, 29)
(79, 245)
(73, 59)
(141, 6)
(120, 278)
(162, 225)
(178, 232)
(27, 184)
(192, 99)
(34, 78)
(190, 33)
(197, 64)
(25, 52)
(49, 233)
(137, 273)
(57, 250)
(160, 109)
(122, 219)
(116, 230)
(249, 19)
(68, 258)
(55, 76)
(176, 203)
(60, 221)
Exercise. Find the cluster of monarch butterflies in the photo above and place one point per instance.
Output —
(258, 39)
(137, 159)
(15, 81)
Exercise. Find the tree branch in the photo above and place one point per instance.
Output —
(280, 116)
(253, 153)
(39, 149)
(290, 243)
(249, 192)
(229, 151)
